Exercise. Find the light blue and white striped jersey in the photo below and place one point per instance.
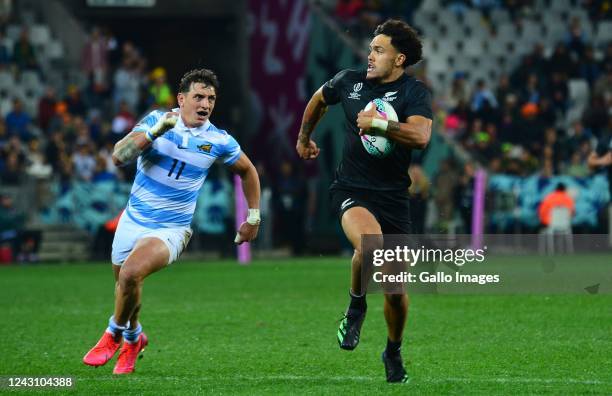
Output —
(171, 172)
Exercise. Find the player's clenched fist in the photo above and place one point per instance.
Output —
(307, 151)
(164, 124)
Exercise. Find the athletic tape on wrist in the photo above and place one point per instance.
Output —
(253, 217)
(379, 124)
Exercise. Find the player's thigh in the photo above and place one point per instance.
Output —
(148, 256)
(358, 221)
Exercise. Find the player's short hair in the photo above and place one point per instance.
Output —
(404, 39)
(204, 76)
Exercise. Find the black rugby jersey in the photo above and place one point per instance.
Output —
(358, 169)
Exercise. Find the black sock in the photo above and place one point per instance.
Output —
(358, 302)
(393, 347)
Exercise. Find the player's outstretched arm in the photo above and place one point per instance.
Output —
(250, 185)
(133, 144)
(415, 133)
(315, 109)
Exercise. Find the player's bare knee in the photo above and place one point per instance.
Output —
(129, 278)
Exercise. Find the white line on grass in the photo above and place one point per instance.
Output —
(368, 379)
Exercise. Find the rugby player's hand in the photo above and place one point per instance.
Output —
(307, 151)
(164, 124)
(246, 233)
(364, 120)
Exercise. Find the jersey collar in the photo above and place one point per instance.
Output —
(400, 80)
(180, 126)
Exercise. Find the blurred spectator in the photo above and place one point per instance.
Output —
(46, 108)
(530, 92)
(18, 121)
(577, 167)
(481, 95)
(529, 129)
(123, 122)
(106, 153)
(290, 204)
(444, 185)
(6, 8)
(12, 229)
(603, 85)
(597, 9)
(23, 53)
(532, 64)
(127, 85)
(101, 172)
(458, 91)
(575, 38)
(503, 88)
(12, 173)
(464, 196)
(546, 113)
(80, 130)
(553, 147)
(577, 135)
(65, 171)
(348, 10)
(558, 91)
(55, 146)
(601, 158)
(4, 136)
(561, 61)
(99, 130)
(160, 91)
(607, 58)
(131, 55)
(94, 60)
(74, 102)
(37, 164)
(588, 67)
(596, 116)
(557, 198)
(5, 51)
(84, 162)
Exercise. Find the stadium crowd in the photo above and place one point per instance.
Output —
(519, 125)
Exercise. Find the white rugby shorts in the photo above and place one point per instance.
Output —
(129, 232)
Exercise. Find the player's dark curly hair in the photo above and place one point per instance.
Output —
(403, 38)
(204, 76)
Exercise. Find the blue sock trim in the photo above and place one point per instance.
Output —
(131, 336)
(114, 328)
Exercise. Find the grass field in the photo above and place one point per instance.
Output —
(270, 328)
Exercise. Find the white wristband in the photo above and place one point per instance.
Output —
(380, 124)
(253, 217)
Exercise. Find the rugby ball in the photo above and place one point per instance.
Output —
(376, 145)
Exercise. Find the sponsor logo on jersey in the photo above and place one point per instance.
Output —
(356, 88)
(347, 202)
(389, 96)
(205, 148)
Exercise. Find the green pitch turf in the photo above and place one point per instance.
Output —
(270, 328)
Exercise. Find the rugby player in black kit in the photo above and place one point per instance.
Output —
(370, 193)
